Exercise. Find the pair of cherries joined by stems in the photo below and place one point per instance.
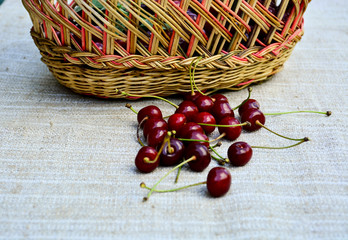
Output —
(183, 137)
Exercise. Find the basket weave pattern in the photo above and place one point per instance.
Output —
(148, 46)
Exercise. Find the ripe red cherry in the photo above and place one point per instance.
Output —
(150, 112)
(219, 98)
(197, 135)
(188, 108)
(204, 103)
(205, 117)
(201, 152)
(218, 181)
(173, 155)
(239, 153)
(221, 110)
(189, 127)
(156, 137)
(176, 122)
(252, 115)
(231, 133)
(249, 104)
(153, 123)
(146, 153)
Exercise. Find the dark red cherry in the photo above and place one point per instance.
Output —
(239, 153)
(156, 137)
(201, 152)
(176, 122)
(152, 124)
(251, 116)
(150, 112)
(196, 135)
(189, 127)
(219, 98)
(188, 108)
(221, 110)
(249, 104)
(205, 117)
(204, 103)
(231, 133)
(192, 97)
(218, 181)
(146, 153)
(172, 155)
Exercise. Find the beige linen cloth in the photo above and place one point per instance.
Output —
(67, 161)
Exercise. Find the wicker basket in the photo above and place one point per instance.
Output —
(147, 47)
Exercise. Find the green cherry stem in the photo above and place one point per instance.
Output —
(221, 160)
(193, 158)
(177, 175)
(218, 125)
(143, 185)
(327, 113)
(166, 140)
(293, 139)
(290, 146)
(249, 94)
(198, 140)
(131, 108)
(149, 96)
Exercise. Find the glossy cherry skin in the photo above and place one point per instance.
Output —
(156, 137)
(192, 97)
(153, 123)
(232, 133)
(189, 127)
(188, 108)
(218, 181)
(168, 158)
(176, 122)
(249, 104)
(201, 152)
(146, 152)
(150, 112)
(239, 153)
(219, 98)
(221, 110)
(252, 115)
(204, 103)
(196, 135)
(205, 117)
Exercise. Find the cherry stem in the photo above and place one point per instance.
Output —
(218, 125)
(257, 122)
(249, 94)
(177, 175)
(166, 139)
(131, 108)
(149, 96)
(327, 113)
(193, 158)
(218, 144)
(219, 159)
(290, 146)
(173, 189)
(192, 76)
(138, 130)
(198, 140)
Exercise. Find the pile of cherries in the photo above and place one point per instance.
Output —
(184, 137)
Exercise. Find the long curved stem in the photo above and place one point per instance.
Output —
(327, 113)
(290, 146)
(173, 189)
(249, 94)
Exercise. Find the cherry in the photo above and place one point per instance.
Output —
(251, 116)
(204, 103)
(172, 153)
(239, 153)
(197, 135)
(202, 155)
(176, 122)
(188, 108)
(231, 133)
(156, 137)
(189, 127)
(152, 124)
(150, 112)
(146, 160)
(249, 104)
(222, 109)
(219, 98)
(205, 118)
(218, 181)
